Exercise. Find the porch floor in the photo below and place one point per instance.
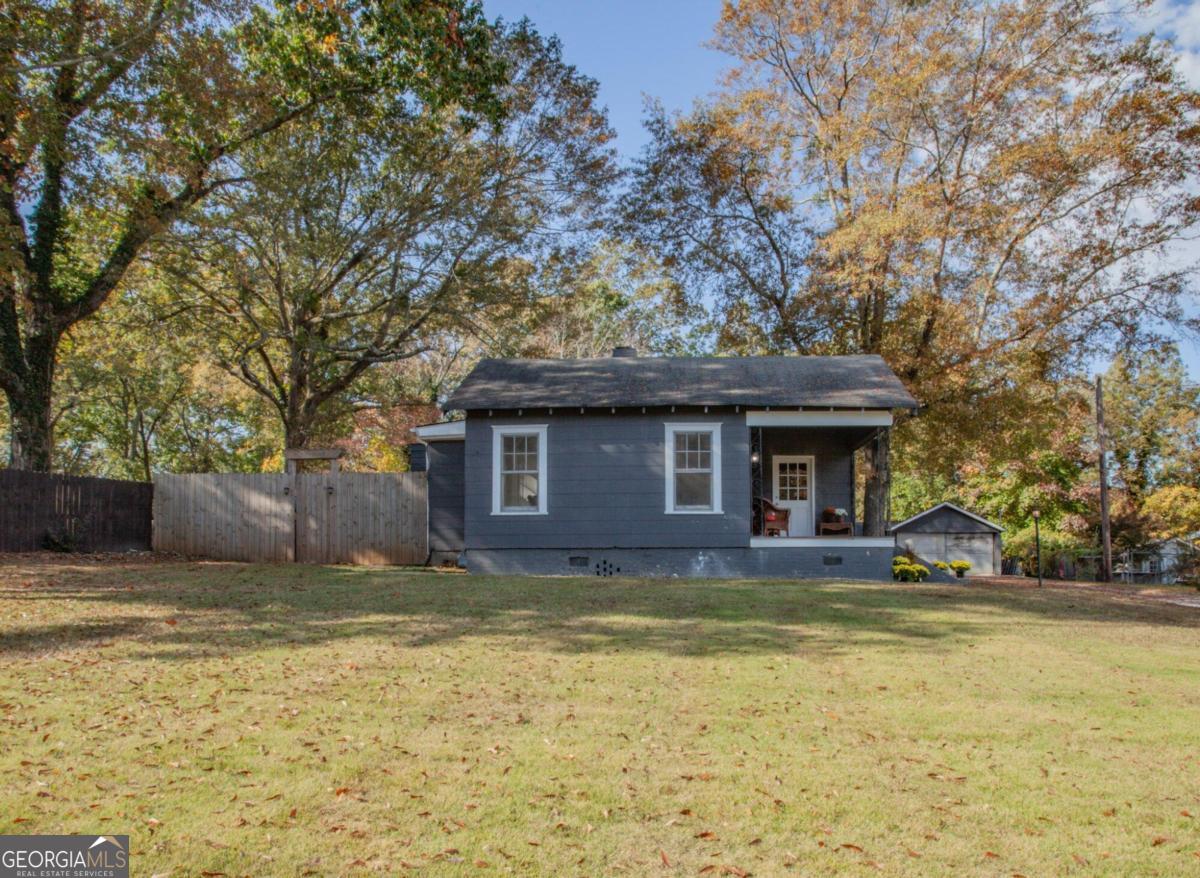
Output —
(822, 542)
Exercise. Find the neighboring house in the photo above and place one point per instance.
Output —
(950, 533)
(652, 465)
(1165, 561)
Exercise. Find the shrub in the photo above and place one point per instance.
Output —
(941, 565)
(60, 541)
(960, 566)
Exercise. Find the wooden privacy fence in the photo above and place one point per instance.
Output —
(318, 518)
(75, 513)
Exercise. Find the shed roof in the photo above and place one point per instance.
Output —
(836, 382)
(952, 508)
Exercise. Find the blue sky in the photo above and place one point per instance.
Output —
(655, 48)
(634, 49)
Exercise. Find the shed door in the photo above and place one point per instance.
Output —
(794, 491)
(976, 548)
(931, 547)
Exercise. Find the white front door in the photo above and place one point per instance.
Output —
(793, 483)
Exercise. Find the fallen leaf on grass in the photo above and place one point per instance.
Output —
(171, 621)
(708, 833)
(1160, 840)
(663, 856)
(851, 847)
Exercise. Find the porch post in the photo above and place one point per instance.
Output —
(756, 477)
(878, 488)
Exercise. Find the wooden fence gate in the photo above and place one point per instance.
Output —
(316, 518)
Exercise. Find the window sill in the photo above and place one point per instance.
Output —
(520, 514)
(693, 512)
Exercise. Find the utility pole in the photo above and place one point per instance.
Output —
(1105, 524)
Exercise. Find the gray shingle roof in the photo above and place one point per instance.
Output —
(838, 382)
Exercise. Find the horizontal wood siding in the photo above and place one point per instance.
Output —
(607, 485)
(445, 461)
(41, 510)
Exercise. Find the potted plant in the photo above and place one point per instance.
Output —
(904, 570)
(941, 565)
(960, 567)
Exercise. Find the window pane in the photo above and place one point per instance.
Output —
(693, 489)
(520, 491)
(519, 453)
(693, 451)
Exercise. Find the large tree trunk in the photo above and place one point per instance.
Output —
(297, 424)
(30, 406)
(878, 488)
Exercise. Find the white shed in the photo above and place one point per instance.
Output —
(950, 533)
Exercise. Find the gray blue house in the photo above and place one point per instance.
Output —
(660, 466)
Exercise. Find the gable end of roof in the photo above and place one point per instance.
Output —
(946, 505)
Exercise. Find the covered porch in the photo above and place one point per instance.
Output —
(803, 477)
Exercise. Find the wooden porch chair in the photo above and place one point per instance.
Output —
(771, 520)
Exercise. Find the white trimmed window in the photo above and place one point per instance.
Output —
(519, 481)
(693, 468)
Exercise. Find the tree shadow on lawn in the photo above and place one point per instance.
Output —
(210, 609)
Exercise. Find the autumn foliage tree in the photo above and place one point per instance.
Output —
(960, 186)
(117, 116)
(344, 249)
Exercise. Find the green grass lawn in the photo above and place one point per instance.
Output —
(257, 720)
